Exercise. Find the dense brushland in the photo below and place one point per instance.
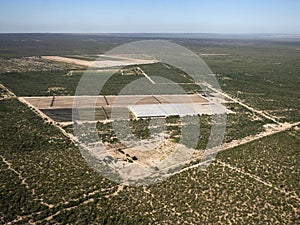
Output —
(18, 45)
(266, 80)
(22, 82)
(48, 163)
(49, 167)
(44, 178)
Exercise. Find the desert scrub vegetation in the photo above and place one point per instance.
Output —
(34, 63)
(218, 195)
(274, 159)
(265, 77)
(240, 124)
(40, 83)
(51, 164)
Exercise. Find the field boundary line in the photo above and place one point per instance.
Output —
(12, 95)
(260, 180)
(22, 179)
(159, 102)
(241, 103)
(146, 75)
(245, 140)
(105, 100)
(43, 116)
(88, 200)
(105, 113)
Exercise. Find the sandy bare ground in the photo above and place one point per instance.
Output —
(146, 75)
(128, 56)
(100, 64)
(68, 60)
(214, 54)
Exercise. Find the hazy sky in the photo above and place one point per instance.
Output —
(212, 16)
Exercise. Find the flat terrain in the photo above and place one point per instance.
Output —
(59, 108)
(57, 102)
(110, 61)
(254, 179)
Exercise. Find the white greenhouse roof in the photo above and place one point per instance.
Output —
(164, 110)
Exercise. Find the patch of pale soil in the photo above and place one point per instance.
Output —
(226, 78)
(99, 64)
(146, 75)
(120, 189)
(50, 89)
(214, 54)
(156, 151)
(129, 56)
(68, 60)
(153, 156)
(64, 124)
(256, 118)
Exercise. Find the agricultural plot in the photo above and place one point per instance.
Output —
(111, 100)
(254, 179)
(59, 108)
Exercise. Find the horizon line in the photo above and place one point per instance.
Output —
(46, 32)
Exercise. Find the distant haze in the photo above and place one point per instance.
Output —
(156, 16)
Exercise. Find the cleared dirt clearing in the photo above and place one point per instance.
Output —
(100, 64)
